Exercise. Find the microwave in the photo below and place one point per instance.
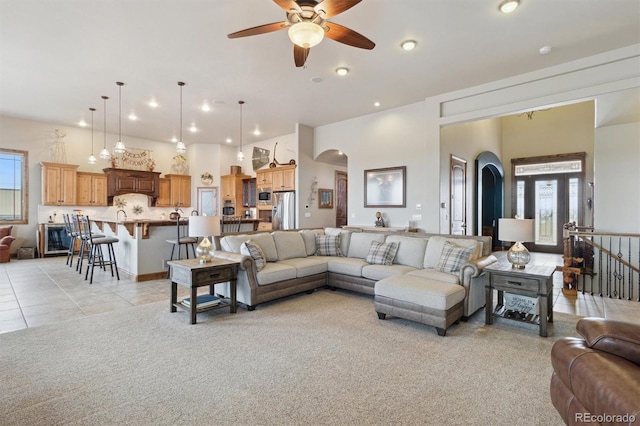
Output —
(264, 197)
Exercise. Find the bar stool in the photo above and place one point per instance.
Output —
(73, 236)
(180, 241)
(95, 253)
(83, 237)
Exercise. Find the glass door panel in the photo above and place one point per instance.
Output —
(546, 212)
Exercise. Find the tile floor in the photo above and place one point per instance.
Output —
(44, 291)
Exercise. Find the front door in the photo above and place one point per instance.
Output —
(458, 198)
(552, 200)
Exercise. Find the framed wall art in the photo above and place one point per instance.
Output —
(325, 198)
(385, 187)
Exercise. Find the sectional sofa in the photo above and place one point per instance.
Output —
(303, 260)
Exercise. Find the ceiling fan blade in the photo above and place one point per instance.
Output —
(260, 29)
(331, 8)
(288, 5)
(347, 36)
(300, 55)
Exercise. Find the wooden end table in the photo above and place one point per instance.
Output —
(193, 274)
(534, 281)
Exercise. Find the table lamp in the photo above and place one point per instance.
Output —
(519, 231)
(204, 226)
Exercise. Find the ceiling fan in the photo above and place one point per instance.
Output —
(307, 25)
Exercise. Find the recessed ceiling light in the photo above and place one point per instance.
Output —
(193, 128)
(205, 107)
(342, 71)
(133, 117)
(545, 50)
(509, 6)
(82, 123)
(376, 104)
(174, 139)
(408, 45)
(153, 103)
(317, 79)
(257, 132)
(229, 140)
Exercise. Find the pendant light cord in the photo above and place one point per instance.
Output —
(241, 103)
(181, 111)
(104, 144)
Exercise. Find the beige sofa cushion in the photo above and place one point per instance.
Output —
(410, 250)
(432, 274)
(309, 238)
(345, 238)
(275, 272)
(346, 265)
(379, 272)
(289, 245)
(268, 246)
(361, 243)
(434, 294)
(232, 243)
(436, 245)
(306, 266)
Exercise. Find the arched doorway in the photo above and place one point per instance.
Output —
(489, 195)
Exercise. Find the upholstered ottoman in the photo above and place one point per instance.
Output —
(422, 300)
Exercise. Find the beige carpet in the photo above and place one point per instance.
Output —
(323, 358)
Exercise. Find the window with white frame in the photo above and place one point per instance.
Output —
(13, 186)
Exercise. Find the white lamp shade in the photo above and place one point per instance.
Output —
(204, 226)
(306, 34)
(521, 230)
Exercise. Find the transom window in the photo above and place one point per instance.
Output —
(13, 186)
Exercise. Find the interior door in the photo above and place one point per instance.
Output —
(458, 196)
(341, 198)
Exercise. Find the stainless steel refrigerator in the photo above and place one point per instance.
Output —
(284, 210)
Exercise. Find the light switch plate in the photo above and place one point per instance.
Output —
(417, 217)
(307, 214)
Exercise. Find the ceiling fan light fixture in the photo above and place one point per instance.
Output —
(509, 6)
(408, 45)
(306, 34)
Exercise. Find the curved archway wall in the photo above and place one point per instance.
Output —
(410, 135)
(490, 193)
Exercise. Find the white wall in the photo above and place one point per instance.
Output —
(390, 138)
(617, 178)
(466, 141)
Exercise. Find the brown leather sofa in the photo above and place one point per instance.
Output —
(596, 380)
(5, 243)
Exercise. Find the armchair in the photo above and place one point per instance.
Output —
(5, 243)
(597, 378)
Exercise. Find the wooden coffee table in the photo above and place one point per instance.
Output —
(193, 274)
(534, 281)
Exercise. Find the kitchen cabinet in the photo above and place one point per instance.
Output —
(231, 193)
(264, 178)
(164, 193)
(180, 190)
(249, 192)
(122, 181)
(58, 184)
(91, 189)
(283, 178)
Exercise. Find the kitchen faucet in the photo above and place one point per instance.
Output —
(123, 212)
(194, 211)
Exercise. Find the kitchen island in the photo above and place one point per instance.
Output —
(142, 251)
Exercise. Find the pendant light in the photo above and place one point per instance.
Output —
(119, 148)
(105, 154)
(180, 146)
(240, 153)
(92, 158)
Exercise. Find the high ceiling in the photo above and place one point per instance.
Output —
(59, 57)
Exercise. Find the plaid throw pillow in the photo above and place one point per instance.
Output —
(251, 248)
(381, 253)
(453, 257)
(328, 245)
